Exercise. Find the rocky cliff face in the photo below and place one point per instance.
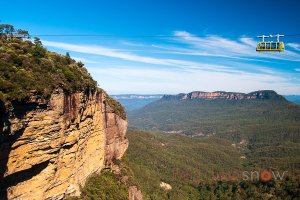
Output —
(263, 94)
(50, 147)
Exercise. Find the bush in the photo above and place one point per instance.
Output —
(103, 187)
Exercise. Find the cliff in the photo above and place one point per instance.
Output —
(56, 126)
(262, 94)
(50, 147)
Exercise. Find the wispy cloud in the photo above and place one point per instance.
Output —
(103, 51)
(175, 71)
(147, 80)
(213, 44)
(133, 44)
(195, 52)
(222, 47)
(183, 65)
(295, 46)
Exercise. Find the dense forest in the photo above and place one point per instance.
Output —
(205, 168)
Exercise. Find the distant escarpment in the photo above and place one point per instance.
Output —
(230, 115)
(56, 126)
(262, 94)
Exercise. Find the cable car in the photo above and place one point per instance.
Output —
(270, 45)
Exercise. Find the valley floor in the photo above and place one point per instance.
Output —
(207, 168)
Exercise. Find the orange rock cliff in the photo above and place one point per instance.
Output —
(50, 147)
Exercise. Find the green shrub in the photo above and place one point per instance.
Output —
(104, 186)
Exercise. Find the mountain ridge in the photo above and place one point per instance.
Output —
(260, 94)
(223, 114)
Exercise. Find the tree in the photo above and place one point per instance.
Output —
(23, 33)
(68, 55)
(37, 41)
(6, 31)
(80, 64)
(39, 51)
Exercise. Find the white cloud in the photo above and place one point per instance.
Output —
(194, 52)
(147, 80)
(221, 46)
(184, 75)
(294, 45)
(213, 44)
(249, 42)
(134, 44)
(103, 51)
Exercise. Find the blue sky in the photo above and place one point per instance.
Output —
(213, 48)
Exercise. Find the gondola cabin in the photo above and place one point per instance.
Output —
(270, 46)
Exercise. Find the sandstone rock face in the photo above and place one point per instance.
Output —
(50, 148)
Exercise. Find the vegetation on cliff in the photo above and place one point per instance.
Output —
(117, 107)
(104, 186)
(27, 66)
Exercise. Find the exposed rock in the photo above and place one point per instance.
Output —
(165, 186)
(263, 94)
(51, 147)
(135, 193)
